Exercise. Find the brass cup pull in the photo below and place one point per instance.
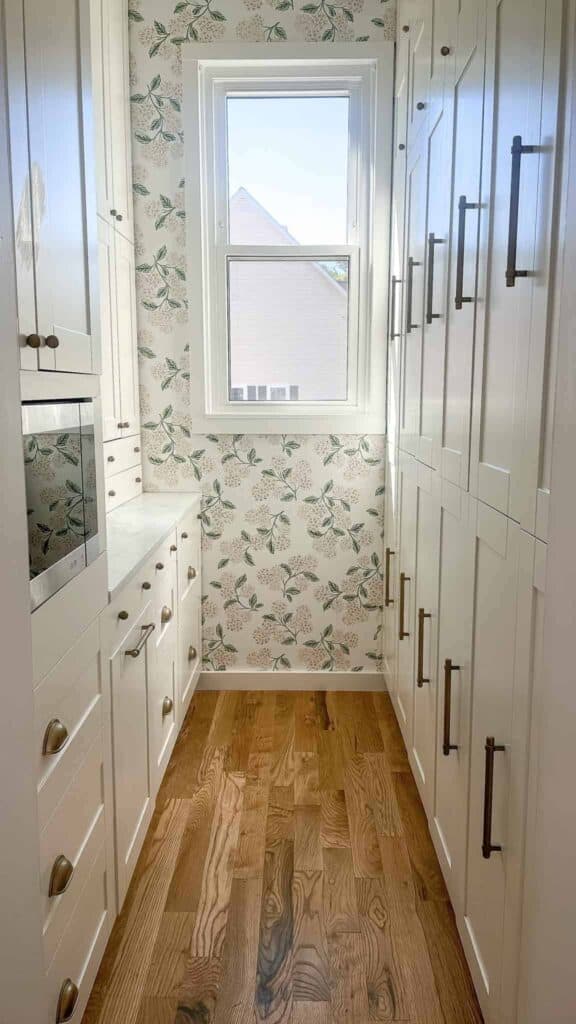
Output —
(166, 614)
(401, 631)
(421, 678)
(192, 653)
(147, 631)
(67, 1000)
(33, 341)
(55, 737)
(60, 876)
(167, 705)
(192, 572)
(387, 599)
(449, 668)
(52, 341)
(488, 847)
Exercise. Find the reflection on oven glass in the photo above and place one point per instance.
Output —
(58, 506)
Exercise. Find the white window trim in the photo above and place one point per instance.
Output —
(364, 410)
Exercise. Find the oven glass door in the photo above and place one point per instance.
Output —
(60, 470)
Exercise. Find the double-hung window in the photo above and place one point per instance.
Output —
(287, 218)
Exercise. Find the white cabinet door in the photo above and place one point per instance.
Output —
(125, 277)
(396, 290)
(520, 147)
(419, 19)
(63, 198)
(406, 568)
(189, 647)
(413, 299)
(100, 39)
(423, 748)
(121, 149)
(132, 791)
(391, 553)
(465, 197)
(448, 820)
(110, 387)
(162, 690)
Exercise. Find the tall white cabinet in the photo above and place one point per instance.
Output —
(478, 179)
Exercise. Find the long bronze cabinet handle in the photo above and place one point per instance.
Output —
(393, 284)
(146, 632)
(404, 579)
(488, 847)
(387, 599)
(432, 242)
(411, 263)
(517, 151)
(420, 677)
(449, 668)
(463, 206)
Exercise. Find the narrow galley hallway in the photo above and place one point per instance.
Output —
(288, 877)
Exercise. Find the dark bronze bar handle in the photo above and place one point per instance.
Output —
(147, 631)
(463, 205)
(517, 152)
(432, 241)
(420, 678)
(409, 287)
(401, 631)
(387, 599)
(449, 668)
(393, 334)
(488, 847)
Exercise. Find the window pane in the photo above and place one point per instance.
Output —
(287, 169)
(288, 329)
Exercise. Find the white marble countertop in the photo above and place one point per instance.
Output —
(134, 529)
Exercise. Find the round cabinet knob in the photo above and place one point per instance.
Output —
(137, 449)
(55, 737)
(191, 572)
(67, 1000)
(118, 216)
(119, 425)
(166, 614)
(192, 653)
(173, 547)
(138, 480)
(401, 146)
(113, 213)
(184, 535)
(159, 565)
(52, 341)
(167, 705)
(126, 424)
(111, 494)
(420, 105)
(60, 876)
(111, 458)
(405, 28)
(123, 616)
(146, 585)
(445, 50)
(33, 341)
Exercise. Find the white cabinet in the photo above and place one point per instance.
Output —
(390, 611)
(403, 693)
(396, 288)
(410, 385)
(110, 384)
(53, 184)
(189, 610)
(512, 347)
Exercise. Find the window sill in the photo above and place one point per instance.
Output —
(279, 423)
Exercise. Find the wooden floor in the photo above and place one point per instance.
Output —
(288, 876)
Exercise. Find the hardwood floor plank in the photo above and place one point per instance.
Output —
(428, 881)
(412, 957)
(394, 747)
(283, 764)
(382, 796)
(169, 955)
(311, 972)
(339, 893)
(363, 837)
(311, 1013)
(349, 996)
(249, 856)
(306, 723)
(181, 778)
(330, 761)
(306, 779)
(139, 922)
(307, 849)
(334, 829)
(274, 990)
(453, 981)
(199, 991)
(243, 725)
(263, 735)
(388, 999)
(240, 957)
(397, 867)
(280, 821)
(360, 711)
(227, 706)
(157, 1010)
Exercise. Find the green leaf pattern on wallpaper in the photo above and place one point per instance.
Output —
(291, 525)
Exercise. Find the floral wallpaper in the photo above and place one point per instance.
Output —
(292, 525)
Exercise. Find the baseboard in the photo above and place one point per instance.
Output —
(248, 680)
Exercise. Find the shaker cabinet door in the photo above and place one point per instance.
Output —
(110, 389)
(406, 581)
(397, 237)
(125, 281)
(414, 275)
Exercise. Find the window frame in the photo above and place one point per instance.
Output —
(211, 74)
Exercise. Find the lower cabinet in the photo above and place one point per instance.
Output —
(470, 612)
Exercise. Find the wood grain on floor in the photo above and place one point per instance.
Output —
(288, 877)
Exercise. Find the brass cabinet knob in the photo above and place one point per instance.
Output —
(405, 28)
(401, 146)
(52, 341)
(33, 341)
(166, 614)
(138, 479)
(111, 458)
(55, 737)
(167, 705)
(111, 494)
(119, 216)
(445, 50)
(60, 876)
(137, 448)
(113, 213)
(66, 1001)
(184, 535)
(191, 572)
(173, 547)
(420, 105)
(123, 616)
(159, 565)
(119, 425)
(192, 653)
(146, 585)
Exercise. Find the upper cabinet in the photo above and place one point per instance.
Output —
(51, 140)
(110, 57)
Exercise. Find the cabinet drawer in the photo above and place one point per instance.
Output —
(76, 831)
(189, 647)
(123, 486)
(162, 699)
(122, 454)
(80, 951)
(189, 540)
(70, 697)
(163, 569)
